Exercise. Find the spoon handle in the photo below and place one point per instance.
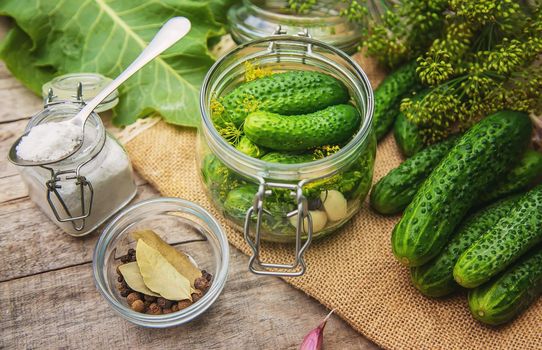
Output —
(169, 34)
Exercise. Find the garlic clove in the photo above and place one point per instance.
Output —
(335, 204)
(319, 221)
(315, 338)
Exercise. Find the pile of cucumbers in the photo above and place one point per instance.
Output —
(290, 117)
(471, 217)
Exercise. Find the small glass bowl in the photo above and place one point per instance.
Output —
(182, 224)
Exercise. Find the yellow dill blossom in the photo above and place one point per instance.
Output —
(250, 104)
(253, 72)
(230, 132)
(325, 151)
(217, 109)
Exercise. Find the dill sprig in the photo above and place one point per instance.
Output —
(485, 61)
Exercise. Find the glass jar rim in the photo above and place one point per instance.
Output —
(284, 171)
(250, 20)
(334, 18)
(65, 89)
(110, 233)
(87, 152)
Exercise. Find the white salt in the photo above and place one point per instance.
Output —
(49, 141)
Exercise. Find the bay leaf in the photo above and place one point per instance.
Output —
(180, 261)
(159, 275)
(132, 276)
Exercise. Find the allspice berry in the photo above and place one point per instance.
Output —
(154, 309)
(201, 283)
(133, 297)
(138, 305)
(196, 297)
(183, 304)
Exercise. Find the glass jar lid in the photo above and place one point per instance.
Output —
(65, 88)
(254, 19)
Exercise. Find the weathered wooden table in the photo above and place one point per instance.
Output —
(47, 293)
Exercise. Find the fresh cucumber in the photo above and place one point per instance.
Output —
(406, 133)
(288, 93)
(407, 136)
(288, 158)
(504, 298)
(395, 191)
(510, 238)
(388, 96)
(329, 126)
(250, 148)
(436, 279)
(239, 200)
(478, 159)
(527, 171)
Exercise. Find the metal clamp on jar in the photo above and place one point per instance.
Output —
(227, 172)
(84, 190)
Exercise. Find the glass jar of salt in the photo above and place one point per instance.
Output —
(82, 191)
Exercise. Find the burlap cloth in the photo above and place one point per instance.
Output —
(354, 271)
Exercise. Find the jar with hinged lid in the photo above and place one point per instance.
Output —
(279, 202)
(82, 191)
(255, 19)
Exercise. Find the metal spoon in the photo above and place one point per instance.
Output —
(171, 32)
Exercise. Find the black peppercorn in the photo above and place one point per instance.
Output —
(207, 275)
(149, 298)
(164, 303)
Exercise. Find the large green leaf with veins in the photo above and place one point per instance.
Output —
(53, 37)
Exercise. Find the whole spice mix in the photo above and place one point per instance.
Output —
(156, 279)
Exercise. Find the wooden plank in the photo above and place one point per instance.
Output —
(12, 188)
(22, 102)
(30, 243)
(9, 132)
(63, 309)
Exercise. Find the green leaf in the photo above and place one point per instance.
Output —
(58, 37)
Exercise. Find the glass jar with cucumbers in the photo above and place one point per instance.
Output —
(286, 149)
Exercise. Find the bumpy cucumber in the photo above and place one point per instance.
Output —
(510, 238)
(407, 136)
(503, 299)
(332, 125)
(250, 148)
(239, 200)
(395, 191)
(519, 178)
(436, 279)
(388, 96)
(288, 158)
(476, 160)
(294, 92)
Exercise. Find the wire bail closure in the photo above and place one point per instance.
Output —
(298, 267)
(84, 185)
(62, 212)
(279, 31)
